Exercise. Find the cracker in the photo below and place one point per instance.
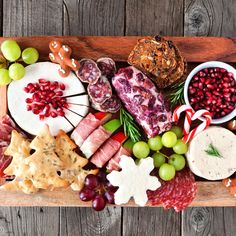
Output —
(73, 170)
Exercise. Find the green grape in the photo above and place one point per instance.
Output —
(180, 147)
(155, 143)
(167, 172)
(169, 139)
(16, 71)
(30, 55)
(10, 50)
(141, 149)
(158, 159)
(178, 161)
(178, 131)
(4, 77)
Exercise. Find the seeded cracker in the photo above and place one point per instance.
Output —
(44, 163)
(73, 163)
(19, 149)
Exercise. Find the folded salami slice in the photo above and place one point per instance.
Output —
(107, 66)
(100, 91)
(177, 193)
(111, 105)
(89, 71)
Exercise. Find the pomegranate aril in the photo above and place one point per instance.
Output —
(29, 107)
(61, 113)
(53, 114)
(41, 117)
(42, 81)
(36, 111)
(26, 89)
(28, 100)
(59, 93)
(62, 86)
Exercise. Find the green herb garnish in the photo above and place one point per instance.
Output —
(213, 151)
(176, 94)
(130, 127)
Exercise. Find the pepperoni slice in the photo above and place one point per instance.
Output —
(100, 91)
(107, 66)
(177, 193)
(89, 71)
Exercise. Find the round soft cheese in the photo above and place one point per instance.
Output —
(31, 122)
(212, 164)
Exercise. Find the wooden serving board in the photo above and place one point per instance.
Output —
(194, 49)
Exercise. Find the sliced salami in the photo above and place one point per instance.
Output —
(100, 91)
(89, 71)
(111, 105)
(107, 66)
(177, 193)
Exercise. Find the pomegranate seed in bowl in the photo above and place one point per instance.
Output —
(212, 86)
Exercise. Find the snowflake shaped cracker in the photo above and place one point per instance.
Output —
(133, 180)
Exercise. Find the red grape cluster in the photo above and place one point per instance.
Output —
(98, 190)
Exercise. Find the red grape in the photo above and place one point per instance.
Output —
(91, 181)
(102, 176)
(98, 203)
(109, 195)
(86, 194)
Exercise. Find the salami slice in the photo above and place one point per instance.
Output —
(177, 193)
(89, 71)
(107, 66)
(111, 105)
(100, 91)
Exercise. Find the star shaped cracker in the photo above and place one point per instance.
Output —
(73, 163)
(133, 180)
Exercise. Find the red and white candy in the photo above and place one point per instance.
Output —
(191, 115)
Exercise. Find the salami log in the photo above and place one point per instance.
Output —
(100, 91)
(89, 71)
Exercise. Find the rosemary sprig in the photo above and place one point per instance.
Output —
(176, 95)
(130, 127)
(213, 151)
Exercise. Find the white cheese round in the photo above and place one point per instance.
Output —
(31, 122)
(213, 167)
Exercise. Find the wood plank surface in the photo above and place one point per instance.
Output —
(150, 222)
(210, 18)
(85, 221)
(205, 221)
(94, 17)
(153, 17)
(24, 221)
(209, 194)
(118, 47)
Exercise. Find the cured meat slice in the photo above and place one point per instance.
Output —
(177, 193)
(94, 141)
(141, 98)
(111, 105)
(113, 164)
(105, 152)
(89, 71)
(107, 66)
(100, 91)
(88, 125)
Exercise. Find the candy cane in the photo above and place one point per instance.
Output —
(188, 118)
(201, 113)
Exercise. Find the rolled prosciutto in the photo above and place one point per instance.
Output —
(98, 137)
(108, 149)
(88, 125)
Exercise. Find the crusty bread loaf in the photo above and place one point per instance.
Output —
(160, 59)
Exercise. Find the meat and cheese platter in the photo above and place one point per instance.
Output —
(130, 121)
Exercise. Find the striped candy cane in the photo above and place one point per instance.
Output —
(188, 118)
(201, 113)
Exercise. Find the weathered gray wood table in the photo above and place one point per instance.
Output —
(117, 17)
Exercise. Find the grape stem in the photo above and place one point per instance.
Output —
(163, 154)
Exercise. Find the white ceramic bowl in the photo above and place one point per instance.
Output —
(208, 65)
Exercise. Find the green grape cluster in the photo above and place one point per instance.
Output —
(168, 165)
(11, 51)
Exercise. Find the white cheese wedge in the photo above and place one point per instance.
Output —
(209, 166)
(30, 122)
